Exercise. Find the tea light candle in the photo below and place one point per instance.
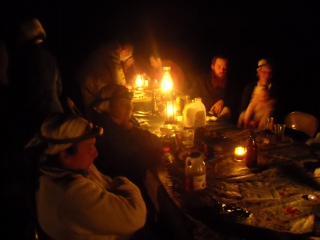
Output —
(239, 153)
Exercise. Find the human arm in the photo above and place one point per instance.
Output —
(240, 123)
(115, 66)
(88, 207)
(217, 107)
(249, 113)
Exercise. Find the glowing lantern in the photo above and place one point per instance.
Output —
(171, 112)
(166, 82)
(139, 81)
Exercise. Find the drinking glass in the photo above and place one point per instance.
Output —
(279, 131)
(268, 124)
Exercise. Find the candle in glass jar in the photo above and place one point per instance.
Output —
(139, 80)
(239, 153)
(170, 110)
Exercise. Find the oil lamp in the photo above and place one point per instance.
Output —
(139, 81)
(166, 82)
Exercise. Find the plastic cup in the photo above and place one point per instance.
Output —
(268, 123)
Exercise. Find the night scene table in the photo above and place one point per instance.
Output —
(274, 200)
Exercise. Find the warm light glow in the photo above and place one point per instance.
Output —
(146, 83)
(171, 115)
(166, 82)
(170, 110)
(239, 153)
(139, 80)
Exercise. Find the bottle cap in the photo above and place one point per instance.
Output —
(166, 149)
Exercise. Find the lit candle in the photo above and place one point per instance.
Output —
(170, 112)
(170, 109)
(239, 153)
(139, 80)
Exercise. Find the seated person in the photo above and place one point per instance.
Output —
(260, 107)
(264, 78)
(217, 91)
(73, 199)
(156, 72)
(124, 148)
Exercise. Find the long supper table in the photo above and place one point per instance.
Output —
(273, 201)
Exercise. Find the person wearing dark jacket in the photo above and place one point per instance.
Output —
(216, 91)
(125, 149)
(34, 78)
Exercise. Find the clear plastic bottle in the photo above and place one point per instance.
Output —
(195, 172)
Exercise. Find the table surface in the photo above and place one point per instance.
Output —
(271, 198)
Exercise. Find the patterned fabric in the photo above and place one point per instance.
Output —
(275, 193)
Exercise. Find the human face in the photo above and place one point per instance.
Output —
(121, 110)
(220, 67)
(84, 157)
(125, 55)
(264, 75)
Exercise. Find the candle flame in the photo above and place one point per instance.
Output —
(170, 110)
(240, 151)
(166, 83)
(139, 80)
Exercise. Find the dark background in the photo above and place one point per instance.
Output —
(190, 33)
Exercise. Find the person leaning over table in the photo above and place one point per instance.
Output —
(103, 67)
(216, 90)
(73, 199)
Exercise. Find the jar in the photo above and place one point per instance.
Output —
(195, 172)
(194, 114)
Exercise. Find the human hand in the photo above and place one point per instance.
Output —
(217, 107)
